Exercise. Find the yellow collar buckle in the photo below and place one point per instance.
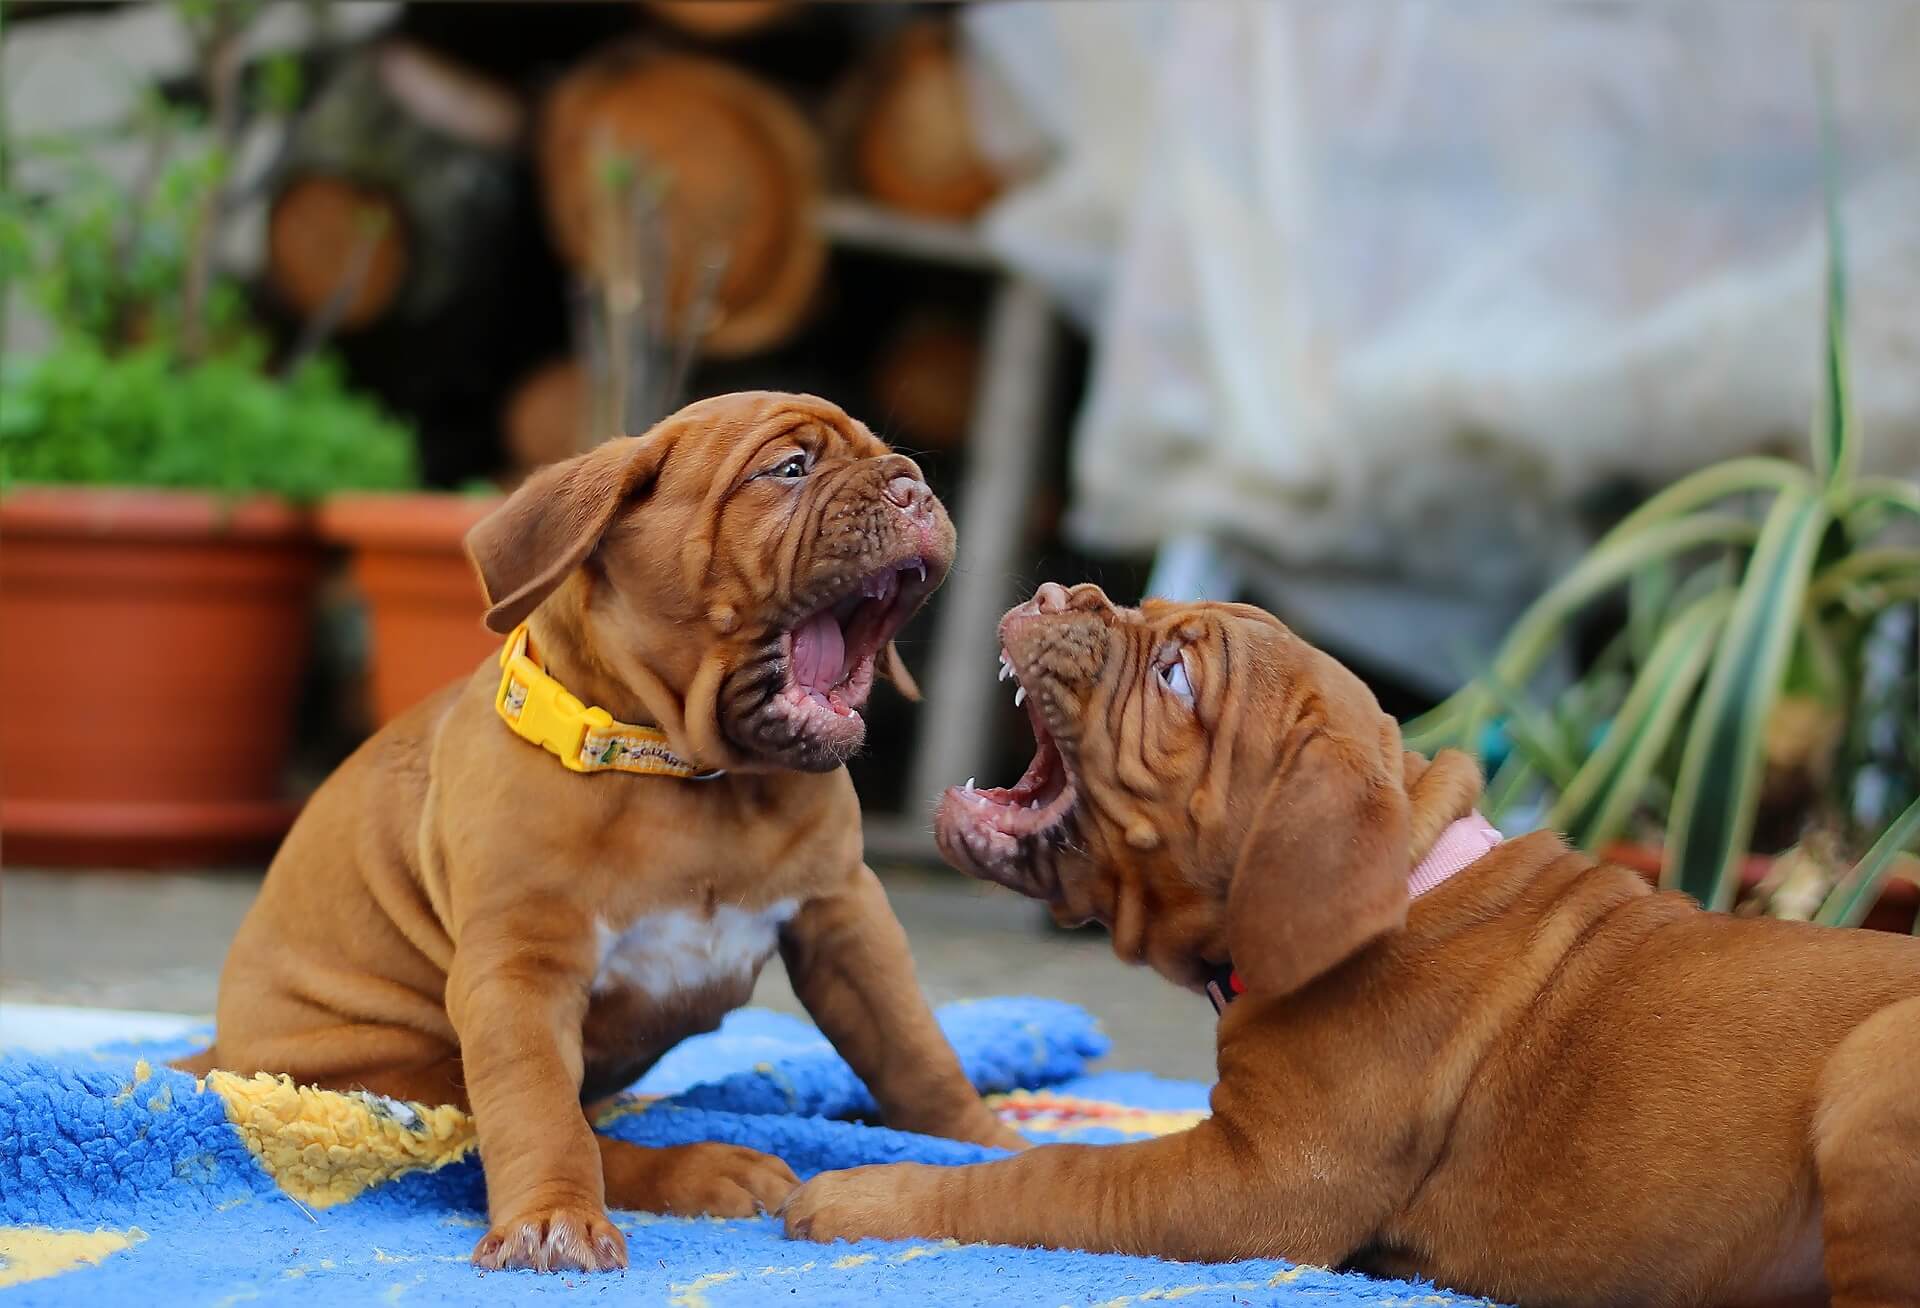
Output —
(539, 709)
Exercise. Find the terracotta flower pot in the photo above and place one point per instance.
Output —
(154, 643)
(423, 599)
(1895, 910)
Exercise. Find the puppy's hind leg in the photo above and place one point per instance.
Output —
(1867, 1156)
(197, 1064)
(388, 1061)
(709, 1179)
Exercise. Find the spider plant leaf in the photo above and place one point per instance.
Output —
(1508, 786)
(1649, 597)
(1536, 737)
(1849, 902)
(1865, 601)
(1835, 448)
(1890, 563)
(1718, 789)
(1816, 666)
(1758, 472)
(1604, 568)
(1595, 806)
(1873, 497)
(1457, 721)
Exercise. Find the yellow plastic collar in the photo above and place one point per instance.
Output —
(539, 709)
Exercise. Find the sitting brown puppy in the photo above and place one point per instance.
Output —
(463, 916)
(1540, 1081)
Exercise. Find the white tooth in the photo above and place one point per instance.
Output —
(921, 569)
(1019, 696)
(1005, 672)
(969, 785)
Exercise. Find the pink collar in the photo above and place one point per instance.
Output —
(1460, 846)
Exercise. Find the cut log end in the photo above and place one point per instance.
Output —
(738, 179)
(544, 416)
(716, 19)
(914, 148)
(925, 381)
(329, 237)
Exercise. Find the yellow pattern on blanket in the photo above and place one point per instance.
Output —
(325, 1147)
(29, 1253)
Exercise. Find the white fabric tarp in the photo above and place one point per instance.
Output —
(1387, 288)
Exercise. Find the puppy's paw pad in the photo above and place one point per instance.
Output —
(561, 1239)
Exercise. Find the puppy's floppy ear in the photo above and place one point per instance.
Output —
(547, 528)
(895, 669)
(1323, 869)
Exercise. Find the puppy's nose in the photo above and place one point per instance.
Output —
(1052, 597)
(910, 494)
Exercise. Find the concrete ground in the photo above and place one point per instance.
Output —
(152, 941)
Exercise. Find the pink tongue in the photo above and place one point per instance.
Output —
(819, 651)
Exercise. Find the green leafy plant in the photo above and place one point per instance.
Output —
(107, 260)
(158, 376)
(82, 416)
(1751, 587)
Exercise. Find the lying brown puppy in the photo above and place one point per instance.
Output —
(460, 916)
(1541, 1082)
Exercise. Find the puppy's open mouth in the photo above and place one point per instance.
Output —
(831, 653)
(989, 825)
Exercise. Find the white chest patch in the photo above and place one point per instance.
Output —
(666, 953)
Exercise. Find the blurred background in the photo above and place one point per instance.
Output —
(1508, 350)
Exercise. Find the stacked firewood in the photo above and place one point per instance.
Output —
(531, 227)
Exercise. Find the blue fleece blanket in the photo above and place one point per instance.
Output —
(122, 1182)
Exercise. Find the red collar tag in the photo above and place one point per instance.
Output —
(1225, 987)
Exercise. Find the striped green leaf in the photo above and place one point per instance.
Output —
(1835, 451)
(1596, 805)
(1874, 497)
(1649, 600)
(1514, 780)
(1697, 490)
(1850, 901)
(1718, 788)
(1458, 721)
(1891, 563)
(1817, 667)
(1533, 732)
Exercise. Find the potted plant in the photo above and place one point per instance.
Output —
(1758, 593)
(158, 569)
(422, 600)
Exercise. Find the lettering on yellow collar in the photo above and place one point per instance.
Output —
(584, 738)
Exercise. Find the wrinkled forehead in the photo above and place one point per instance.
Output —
(718, 440)
(1234, 623)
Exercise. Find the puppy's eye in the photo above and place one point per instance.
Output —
(791, 468)
(1173, 676)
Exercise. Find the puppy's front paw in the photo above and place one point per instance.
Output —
(697, 1180)
(863, 1203)
(561, 1238)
